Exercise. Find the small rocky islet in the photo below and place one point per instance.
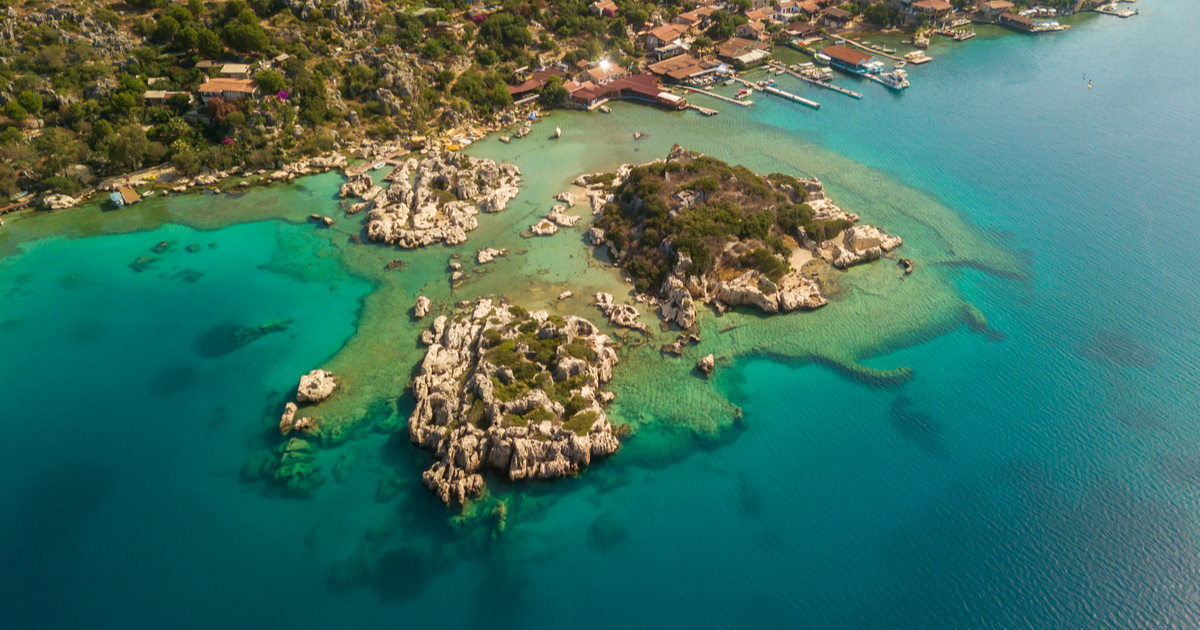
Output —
(521, 394)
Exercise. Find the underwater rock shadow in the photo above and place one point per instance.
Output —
(225, 339)
(917, 427)
(1114, 347)
(172, 380)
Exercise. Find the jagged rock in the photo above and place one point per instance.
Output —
(59, 202)
(594, 236)
(565, 197)
(619, 314)
(706, 365)
(558, 215)
(421, 308)
(484, 256)
(677, 304)
(388, 102)
(752, 288)
(858, 244)
(288, 420)
(565, 295)
(543, 228)
(356, 186)
(414, 212)
(315, 386)
(466, 415)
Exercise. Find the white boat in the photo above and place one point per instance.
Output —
(148, 193)
(378, 165)
(896, 79)
(901, 64)
(822, 59)
(604, 109)
(558, 132)
(505, 139)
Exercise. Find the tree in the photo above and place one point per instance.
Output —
(31, 101)
(208, 44)
(15, 111)
(553, 93)
(128, 147)
(270, 81)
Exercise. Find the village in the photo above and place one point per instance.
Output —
(675, 59)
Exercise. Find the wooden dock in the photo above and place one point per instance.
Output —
(707, 111)
(873, 51)
(820, 84)
(13, 207)
(778, 92)
(718, 96)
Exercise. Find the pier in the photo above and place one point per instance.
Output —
(1114, 9)
(778, 92)
(821, 84)
(718, 96)
(15, 206)
(707, 111)
(873, 51)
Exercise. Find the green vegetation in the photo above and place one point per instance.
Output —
(727, 203)
(581, 422)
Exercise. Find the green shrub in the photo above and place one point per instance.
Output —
(581, 423)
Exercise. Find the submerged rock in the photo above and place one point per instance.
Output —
(485, 256)
(543, 228)
(619, 314)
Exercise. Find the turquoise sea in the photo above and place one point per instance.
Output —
(1042, 476)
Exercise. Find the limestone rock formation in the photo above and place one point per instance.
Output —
(421, 308)
(315, 386)
(484, 256)
(706, 365)
(518, 394)
(594, 236)
(59, 202)
(543, 228)
(435, 200)
(752, 288)
(677, 304)
(622, 315)
(858, 244)
(558, 215)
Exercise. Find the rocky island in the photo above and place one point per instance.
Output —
(510, 391)
(432, 200)
(693, 228)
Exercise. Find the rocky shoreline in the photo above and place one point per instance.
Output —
(728, 283)
(514, 392)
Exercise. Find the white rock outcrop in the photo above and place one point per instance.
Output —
(421, 308)
(316, 386)
(487, 255)
(475, 414)
(436, 199)
(858, 244)
(622, 315)
(545, 227)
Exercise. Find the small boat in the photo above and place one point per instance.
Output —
(742, 93)
(637, 135)
(378, 165)
(557, 132)
(822, 59)
(605, 109)
(901, 64)
(148, 193)
(505, 139)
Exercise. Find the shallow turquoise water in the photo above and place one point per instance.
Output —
(1044, 480)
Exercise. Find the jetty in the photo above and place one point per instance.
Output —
(778, 92)
(717, 96)
(821, 84)
(707, 111)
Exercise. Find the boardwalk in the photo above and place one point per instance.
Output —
(821, 84)
(718, 96)
(778, 92)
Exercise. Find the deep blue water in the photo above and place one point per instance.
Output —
(1048, 480)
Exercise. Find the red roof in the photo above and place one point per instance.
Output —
(846, 55)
